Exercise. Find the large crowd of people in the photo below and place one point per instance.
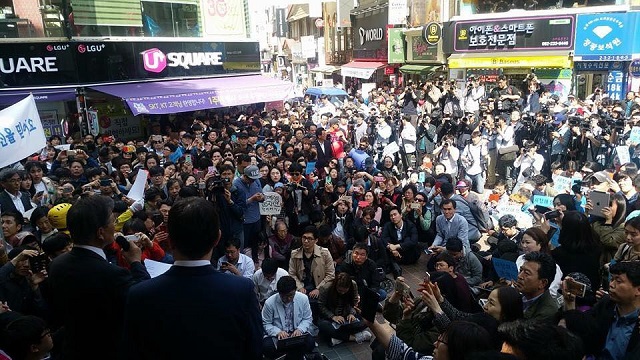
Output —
(277, 227)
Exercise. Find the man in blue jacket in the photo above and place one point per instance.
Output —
(284, 315)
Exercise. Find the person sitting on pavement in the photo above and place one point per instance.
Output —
(286, 314)
(467, 263)
(339, 320)
(235, 262)
(401, 240)
(364, 271)
(311, 266)
(266, 279)
(534, 279)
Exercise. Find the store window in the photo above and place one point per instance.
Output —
(470, 7)
(171, 19)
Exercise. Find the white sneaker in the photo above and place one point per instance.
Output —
(363, 336)
(335, 342)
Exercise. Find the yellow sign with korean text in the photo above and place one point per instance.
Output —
(496, 62)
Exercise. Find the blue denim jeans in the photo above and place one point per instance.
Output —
(477, 182)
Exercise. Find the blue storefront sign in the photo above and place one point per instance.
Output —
(634, 68)
(606, 37)
(616, 85)
(594, 66)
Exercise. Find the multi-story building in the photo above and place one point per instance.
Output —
(112, 65)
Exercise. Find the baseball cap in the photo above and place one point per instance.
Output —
(278, 185)
(461, 184)
(601, 176)
(252, 172)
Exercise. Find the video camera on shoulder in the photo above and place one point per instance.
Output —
(217, 183)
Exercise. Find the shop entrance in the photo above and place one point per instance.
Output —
(587, 82)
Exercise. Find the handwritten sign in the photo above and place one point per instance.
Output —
(634, 135)
(562, 184)
(623, 154)
(505, 269)
(543, 201)
(509, 209)
(272, 204)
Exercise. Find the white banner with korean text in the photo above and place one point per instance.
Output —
(21, 132)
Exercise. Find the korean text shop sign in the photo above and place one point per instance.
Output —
(607, 37)
(539, 33)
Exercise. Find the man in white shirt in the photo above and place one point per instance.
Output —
(529, 162)
(474, 156)
(474, 93)
(409, 138)
(266, 278)
(505, 141)
(235, 262)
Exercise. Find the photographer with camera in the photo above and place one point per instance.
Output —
(475, 158)
(451, 101)
(531, 103)
(432, 95)
(504, 96)
(229, 200)
(448, 154)
(474, 93)
(298, 199)
(529, 162)
(408, 103)
(560, 139)
(507, 149)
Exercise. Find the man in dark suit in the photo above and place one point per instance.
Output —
(193, 311)
(534, 278)
(401, 240)
(88, 293)
(12, 199)
(323, 148)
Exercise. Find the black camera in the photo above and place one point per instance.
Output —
(574, 120)
(217, 183)
(294, 186)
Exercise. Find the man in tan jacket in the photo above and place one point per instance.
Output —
(311, 266)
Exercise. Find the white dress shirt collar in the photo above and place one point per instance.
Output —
(96, 250)
(191, 263)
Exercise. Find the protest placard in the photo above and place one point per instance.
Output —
(543, 201)
(623, 154)
(634, 136)
(505, 269)
(272, 204)
(21, 132)
(561, 184)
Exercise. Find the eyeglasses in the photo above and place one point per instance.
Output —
(228, 155)
(419, 200)
(307, 238)
(295, 173)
